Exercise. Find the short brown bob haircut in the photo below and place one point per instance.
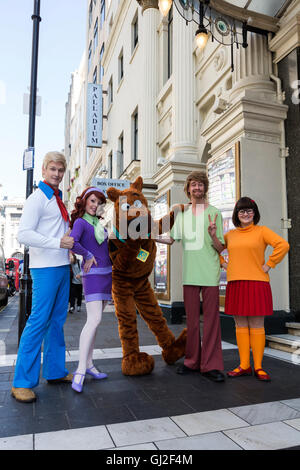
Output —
(199, 176)
(245, 203)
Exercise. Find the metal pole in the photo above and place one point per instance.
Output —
(26, 282)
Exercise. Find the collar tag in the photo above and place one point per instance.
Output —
(143, 255)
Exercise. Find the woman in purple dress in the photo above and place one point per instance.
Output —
(90, 241)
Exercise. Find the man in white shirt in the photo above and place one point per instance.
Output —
(44, 228)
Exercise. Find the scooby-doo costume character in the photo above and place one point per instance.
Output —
(133, 260)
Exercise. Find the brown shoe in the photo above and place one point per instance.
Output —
(66, 380)
(24, 395)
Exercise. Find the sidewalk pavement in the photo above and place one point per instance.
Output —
(158, 412)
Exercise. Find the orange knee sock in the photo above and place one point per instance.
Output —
(257, 343)
(243, 342)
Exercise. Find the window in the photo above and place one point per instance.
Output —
(121, 143)
(101, 66)
(120, 159)
(121, 66)
(110, 165)
(90, 56)
(15, 216)
(110, 91)
(90, 13)
(170, 43)
(95, 75)
(135, 135)
(111, 22)
(102, 13)
(96, 35)
(135, 32)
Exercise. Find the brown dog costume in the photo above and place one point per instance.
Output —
(133, 260)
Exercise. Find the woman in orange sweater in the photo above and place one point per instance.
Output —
(248, 293)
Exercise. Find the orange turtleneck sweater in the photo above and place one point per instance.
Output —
(246, 250)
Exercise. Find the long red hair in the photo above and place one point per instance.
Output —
(80, 204)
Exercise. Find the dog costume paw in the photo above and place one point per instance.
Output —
(176, 350)
(137, 363)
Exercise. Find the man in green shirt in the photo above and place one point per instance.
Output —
(200, 231)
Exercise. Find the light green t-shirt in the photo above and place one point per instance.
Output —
(200, 263)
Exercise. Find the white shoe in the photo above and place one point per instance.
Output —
(78, 309)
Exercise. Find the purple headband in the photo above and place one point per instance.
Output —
(95, 190)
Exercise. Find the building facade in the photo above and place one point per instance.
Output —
(10, 215)
(170, 108)
(75, 136)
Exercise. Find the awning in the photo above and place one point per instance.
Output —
(273, 8)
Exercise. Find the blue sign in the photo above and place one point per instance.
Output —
(94, 116)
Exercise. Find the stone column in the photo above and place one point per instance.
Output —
(149, 77)
(183, 106)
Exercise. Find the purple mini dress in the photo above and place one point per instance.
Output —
(97, 282)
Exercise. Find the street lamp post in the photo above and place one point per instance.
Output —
(26, 282)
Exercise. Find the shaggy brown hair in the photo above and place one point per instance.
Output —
(199, 176)
(80, 204)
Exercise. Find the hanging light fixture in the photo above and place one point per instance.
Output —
(201, 37)
(224, 29)
(165, 6)
(201, 33)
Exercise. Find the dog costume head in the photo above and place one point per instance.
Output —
(132, 216)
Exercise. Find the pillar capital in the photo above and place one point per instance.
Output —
(145, 4)
(253, 69)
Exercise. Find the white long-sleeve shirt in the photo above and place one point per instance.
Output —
(41, 229)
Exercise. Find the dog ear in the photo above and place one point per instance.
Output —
(138, 184)
(113, 194)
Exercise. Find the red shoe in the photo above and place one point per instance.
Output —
(263, 377)
(238, 372)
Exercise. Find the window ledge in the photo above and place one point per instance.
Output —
(120, 84)
(109, 107)
(134, 53)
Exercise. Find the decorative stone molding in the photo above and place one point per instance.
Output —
(174, 173)
(259, 120)
(258, 20)
(220, 59)
(164, 99)
(148, 4)
(132, 171)
(286, 40)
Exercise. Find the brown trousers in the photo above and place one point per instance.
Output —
(207, 356)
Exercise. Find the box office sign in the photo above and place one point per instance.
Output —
(105, 183)
(94, 115)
